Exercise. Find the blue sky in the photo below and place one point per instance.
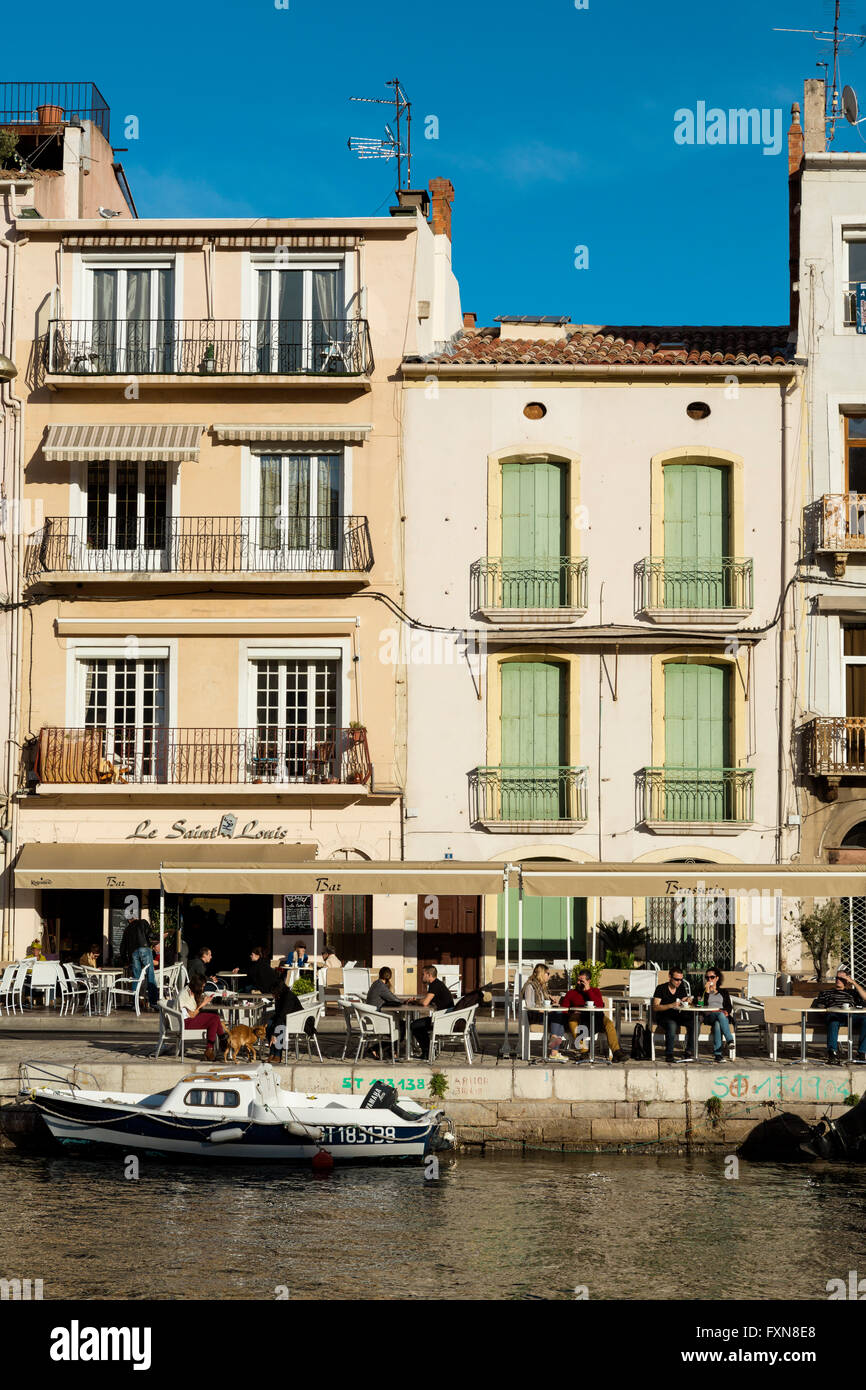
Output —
(556, 126)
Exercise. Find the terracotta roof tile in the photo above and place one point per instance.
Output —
(603, 344)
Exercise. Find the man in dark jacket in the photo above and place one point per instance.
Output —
(260, 978)
(136, 949)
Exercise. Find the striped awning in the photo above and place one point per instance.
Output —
(261, 437)
(126, 443)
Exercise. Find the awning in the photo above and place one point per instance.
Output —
(138, 865)
(127, 443)
(329, 876)
(560, 880)
(261, 437)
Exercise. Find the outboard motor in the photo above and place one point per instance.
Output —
(381, 1096)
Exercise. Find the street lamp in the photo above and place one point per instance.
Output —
(8, 370)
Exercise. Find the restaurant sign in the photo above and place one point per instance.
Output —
(227, 828)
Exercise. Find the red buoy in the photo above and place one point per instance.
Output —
(323, 1162)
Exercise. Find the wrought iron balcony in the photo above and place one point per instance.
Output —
(842, 522)
(50, 103)
(208, 347)
(549, 583)
(835, 747)
(216, 545)
(510, 797)
(705, 585)
(131, 754)
(693, 795)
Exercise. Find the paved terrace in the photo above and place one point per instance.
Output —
(506, 1103)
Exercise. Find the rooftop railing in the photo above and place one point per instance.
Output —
(49, 103)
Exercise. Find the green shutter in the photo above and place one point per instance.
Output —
(696, 531)
(533, 735)
(697, 741)
(534, 511)
(545, 927)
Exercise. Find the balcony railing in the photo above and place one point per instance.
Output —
(682, 796)
(49, 103)
(208, 347)
(849, 304)
(527, 795)
(703, 585)
(842, 521)
(836, 747)
(558, 582)
(131, 754)
(199, 545)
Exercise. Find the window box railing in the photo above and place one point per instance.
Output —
(131, 754)
(705, 585)
(842, 521)
(835, 747)
(208, 347)
(689, 796)
(548, 583)
(515, 796)
(199, 545)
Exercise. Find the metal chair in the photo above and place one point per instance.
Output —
(452, 1024)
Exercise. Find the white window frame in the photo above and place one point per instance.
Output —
(78, 500)
(257, 261)
(79, 651)
(338, 649)
(251, 498)
(84, 265)
(844, 232)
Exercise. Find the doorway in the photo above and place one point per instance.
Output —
(449, 933)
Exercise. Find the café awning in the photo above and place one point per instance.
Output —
(561, 880)
(344, 877)
(139, 865)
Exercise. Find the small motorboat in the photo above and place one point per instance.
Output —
(238, 1113)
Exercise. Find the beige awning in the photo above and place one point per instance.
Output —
(126, 443)
(138, 865)
(261, 437)
(561, 880)
(353, 876)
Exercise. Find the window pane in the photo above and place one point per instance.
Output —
(155, 505)
(97, 505)
(856, 426)
(127, 505)
(855, 641)
(857, 261)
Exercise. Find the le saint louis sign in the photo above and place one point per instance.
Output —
(226, 828)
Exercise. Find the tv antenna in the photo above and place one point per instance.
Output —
(837, 37)
(391, 146)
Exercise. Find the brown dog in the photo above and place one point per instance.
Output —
(242, 1039)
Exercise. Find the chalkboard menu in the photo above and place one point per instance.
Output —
(297, 914)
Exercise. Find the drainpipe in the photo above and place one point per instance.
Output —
(785, 703)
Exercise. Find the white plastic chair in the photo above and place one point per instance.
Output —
(171, 1028)
(450, 976)
(451, 1024)
(6, 983)
(44, 975)
(371, 1025)
(71, 990)
(295, 1026)
(127, 988)
(356, 982)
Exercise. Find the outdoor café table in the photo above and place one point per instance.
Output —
(407, 1014)
(547, 1009)
(696, 1010)
(235, 1005)
(104, 977)
(231, 976)
(848, 1013)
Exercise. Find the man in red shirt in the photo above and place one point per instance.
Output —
(577, 998)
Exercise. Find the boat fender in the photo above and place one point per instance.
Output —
(226, 1136)
(300, 1131)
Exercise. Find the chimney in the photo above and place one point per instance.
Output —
(442, 192)
(795, 190)
(814, 120)
(470, 321)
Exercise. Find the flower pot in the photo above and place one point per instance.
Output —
(49, 115)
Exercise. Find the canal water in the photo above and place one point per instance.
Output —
(541, 1226)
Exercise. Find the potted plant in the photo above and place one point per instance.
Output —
(620, 940)
(824, 931)
(209, 360)
(303, 985)
(357, 732)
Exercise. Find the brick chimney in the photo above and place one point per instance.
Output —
(470, 321)
(442, 194)
(795, 186)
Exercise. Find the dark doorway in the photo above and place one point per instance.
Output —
(72, 922)
(230, 926)
(449, 933)
(349, 927)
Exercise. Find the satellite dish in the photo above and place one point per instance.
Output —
(850, 107)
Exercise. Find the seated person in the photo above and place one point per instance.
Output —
(298, 956)
(437, 996)
(285, 1002)
(719, 1000)
(666, 1011)
(91, 957)
(330, 960)
(380, 994)
(192, 1003)
(845, 991)
(582, 994)
(199, 966)
(534, 994)
(260, 978)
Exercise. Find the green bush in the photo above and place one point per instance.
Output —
(303, 985)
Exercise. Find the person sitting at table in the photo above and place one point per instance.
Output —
(583, 993)
(534, 994)
(285, 1002)
(259, 975)
(198, 966)
(330, 960)
(718, 999)
(298, 956)
(380, 995)
(437, 995)
(666, 1011)
(192, 1003)
(846, 991)
(90, 958)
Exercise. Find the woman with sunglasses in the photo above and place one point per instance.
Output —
(715, 997)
